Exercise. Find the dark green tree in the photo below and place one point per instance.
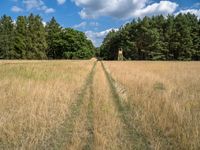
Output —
(53, 36)
(156, 38)
(20, 38)
(6, 38)
(110, 46)
(36, 38)
(182, 40)
(75, 45)
(193, 23)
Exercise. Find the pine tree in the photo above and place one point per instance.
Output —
(6, 38)
(20, 37)
(195, 34)
(53, 37)
(184, 44)
(159, 45)
(110, 46)
(197, 52)
(156, 49)
(143, 38)
(156, 38)
(168, 29)
(36, 38)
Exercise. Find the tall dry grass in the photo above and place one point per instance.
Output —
(109, 130)
(98, 126)
(165, 101)
(35, 97)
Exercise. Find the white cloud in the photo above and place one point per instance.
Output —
(97, 37)
(123, 9)
(163, 7)
(31, 4)
(81, 25)
(49, 10)
(192, 11)
(16, 9)
(60, 2)
(85, 24)
(38, 5)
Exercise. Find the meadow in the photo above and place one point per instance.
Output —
(164, 100)
(99, 105)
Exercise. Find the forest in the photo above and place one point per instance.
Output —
(175, 37)
(29, 38)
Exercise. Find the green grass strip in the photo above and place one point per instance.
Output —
(138, 140)
(90, 121)
(62, 137)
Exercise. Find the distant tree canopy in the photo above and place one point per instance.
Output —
(155, 38)
(28, 38)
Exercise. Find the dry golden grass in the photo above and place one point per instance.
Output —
(80, 133)
(108, 128)
(98, 126)
(165, 100)
(35, 99)
(76, 105)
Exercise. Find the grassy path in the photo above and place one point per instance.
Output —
(98, 120)
(62, 137)
(98, 125)
(108, 129)
(90, 121)
(137, 140)
(83, 134)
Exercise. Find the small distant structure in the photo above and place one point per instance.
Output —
(120, 54)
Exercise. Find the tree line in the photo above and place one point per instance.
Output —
(155, 38)
(29, 38)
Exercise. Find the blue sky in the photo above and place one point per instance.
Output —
(96, 17)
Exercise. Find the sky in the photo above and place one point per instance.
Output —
(96, 17)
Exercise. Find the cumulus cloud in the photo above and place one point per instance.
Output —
(33, 5)
(163, 7)
(16, 9)
(81, 25)
(49, 10)
(60, 2)
(114, 8)
(123, 9)
(97, 37)
(85, 24)
(192, 11)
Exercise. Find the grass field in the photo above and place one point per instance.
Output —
(99, 105)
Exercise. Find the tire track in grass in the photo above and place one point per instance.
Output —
(108, 128)
(63, 136)
(90, 121)
(138, 141)
(83, 135)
